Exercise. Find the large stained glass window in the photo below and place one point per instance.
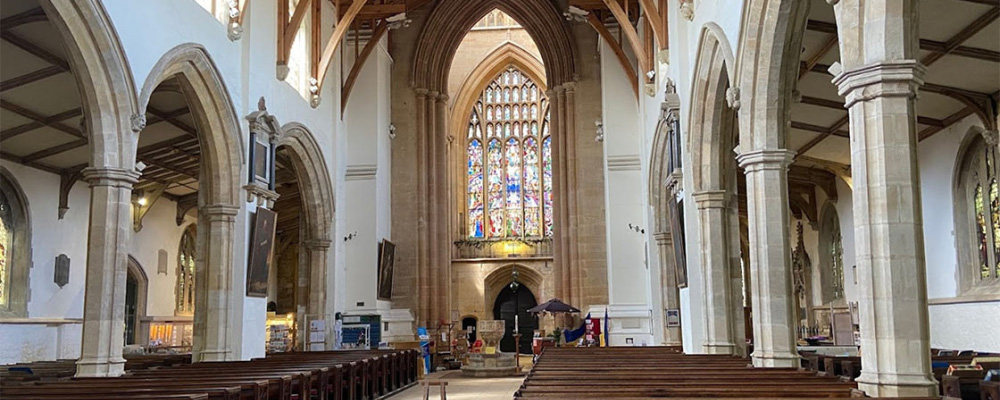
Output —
(982, 187)
(509, 160)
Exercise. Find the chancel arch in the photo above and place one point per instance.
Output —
(208, 167)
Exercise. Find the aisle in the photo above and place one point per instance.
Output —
(462, 388)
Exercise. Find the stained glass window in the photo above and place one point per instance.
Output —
(6, 247)
(185, 272)
(982, 186)
(510, 168)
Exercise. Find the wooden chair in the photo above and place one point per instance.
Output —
(426, 384)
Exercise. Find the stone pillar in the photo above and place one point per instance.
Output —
(668, 281)
(712, 226)
(569, 126)
(107, 263)
(443, 240)
(315, 254)
(422, 301)
(888, 229)
(770, 257)
(214, 301)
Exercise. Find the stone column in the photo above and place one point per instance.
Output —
(422, 300)
(569, 126)
(770, 257)
(316, 251)
(214, 300)
(443, 240)
(668, 281)
(888, 229)
(712, 226)
(107, 263)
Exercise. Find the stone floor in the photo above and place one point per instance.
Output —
(462, 388)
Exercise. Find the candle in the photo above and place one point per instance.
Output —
(515, 323)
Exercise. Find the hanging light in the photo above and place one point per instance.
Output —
(514, 284)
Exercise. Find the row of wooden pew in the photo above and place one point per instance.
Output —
(329, 375)
(967, 384)
(663, 372)
(39, 370)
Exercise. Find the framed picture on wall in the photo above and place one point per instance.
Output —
(677, 230)
(386, 261)
(261, 250)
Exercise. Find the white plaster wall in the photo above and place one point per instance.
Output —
(160, 231)
(629, 282)
(40, 340)
(968, 326)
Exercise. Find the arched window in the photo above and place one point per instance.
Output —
(977, 219)
(15, 249)
(831, 249)
(510, 167)
(185, 271)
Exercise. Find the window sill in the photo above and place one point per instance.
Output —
(966, 299)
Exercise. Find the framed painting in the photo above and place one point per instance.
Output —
(386, 261)
(677, 230)
(261, 251)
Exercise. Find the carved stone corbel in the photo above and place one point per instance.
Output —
(66, 182)
(144, 204)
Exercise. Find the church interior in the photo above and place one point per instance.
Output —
(563, 199)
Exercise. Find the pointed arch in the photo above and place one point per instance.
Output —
(16, 222)
(451, 19)
(504, 55)
(218, 126)
(497, 280)
(712, 122)
(314, 179)
(106, 86)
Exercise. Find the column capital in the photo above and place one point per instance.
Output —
(711, 199)
(443, 97)
(316, 244)
(569, 87)
(765, 159)
(421, 92)
(553, 91)
(218, 212)
(118, 177)
(663, 238)
(899, 78)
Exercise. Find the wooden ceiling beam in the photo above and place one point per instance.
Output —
(166, 166)
(338, 35)
(34, 49)
(30, 77)
(829, 44)
(359, 63)
(925, 44)
(659, 31)
(378, 11)
(820, 129)
(34, 116)
(616, 47)
(51, 151)
(17, 130)
(171, 119)
(33, 15)
(625, 26)
(956, 41)
(945, 123)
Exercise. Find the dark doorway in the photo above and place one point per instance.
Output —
(131, 308)
(510, 303)
(469, 325)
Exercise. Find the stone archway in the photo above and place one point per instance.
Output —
(110, 109)
(136, 311)
(218, 197)
(317, 206)
(664, 181)
(498, 294)
(436, 47)
(714, 179)
(770, 42)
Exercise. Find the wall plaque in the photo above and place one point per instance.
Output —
(62, 270)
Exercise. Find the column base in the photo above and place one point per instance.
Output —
(719, 348)
(893, 385)
(96, 368)
(214, 355)
(775, 360)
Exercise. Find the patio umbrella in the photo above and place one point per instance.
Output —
(554, 306)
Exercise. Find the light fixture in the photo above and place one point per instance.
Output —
(514, 284)
(142, 201)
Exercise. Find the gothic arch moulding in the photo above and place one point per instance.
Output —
(107, 90)
(218, 195)
(768, 62)
(501, 277)
(505, 55)
(451, 19)
(218, 127)
(711, 123)
(314, 179)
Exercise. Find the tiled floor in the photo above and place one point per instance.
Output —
(462, 388)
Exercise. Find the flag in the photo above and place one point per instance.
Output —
(573, 335)
(605, 339)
